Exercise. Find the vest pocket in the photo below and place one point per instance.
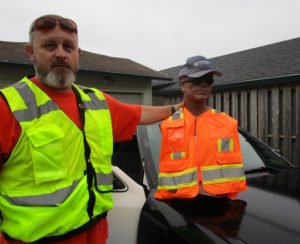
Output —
(101, 141)
(220, 127)
(176, 150)
(47, 153)
(175, 135)
(229, 157)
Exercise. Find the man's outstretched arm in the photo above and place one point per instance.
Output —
(153, 114)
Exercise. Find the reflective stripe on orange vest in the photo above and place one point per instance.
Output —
(167, 181)
(177, 155)
(177, 115)
(225, 145)
(222, 173)
(216, 111)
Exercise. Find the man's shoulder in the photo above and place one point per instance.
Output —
(216, 114)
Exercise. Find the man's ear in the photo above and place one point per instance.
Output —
(182, 87)
(29, 51)
(181, 83)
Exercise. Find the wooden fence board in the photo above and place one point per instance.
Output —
(286, 122)
(253, 112)
(218, 102)
(243, 110)
(275, 118)
(211, 101)
(262, 129)
(226, 102)
(234, 105)
(297, 151)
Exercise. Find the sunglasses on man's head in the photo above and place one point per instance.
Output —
(207, 80)
(48, 23)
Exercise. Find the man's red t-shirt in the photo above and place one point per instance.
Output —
(125, 119)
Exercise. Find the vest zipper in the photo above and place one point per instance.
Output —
(197, 150)
(195, 129)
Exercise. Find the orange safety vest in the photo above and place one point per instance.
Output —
(199, 150)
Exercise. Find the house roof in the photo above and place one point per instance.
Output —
(271, 62)
(14, 53)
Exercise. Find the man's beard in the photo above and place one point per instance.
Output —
(56, 80)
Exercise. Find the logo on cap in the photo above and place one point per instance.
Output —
(200, 62)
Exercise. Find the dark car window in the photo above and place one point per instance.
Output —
(118, 184)
(154, 136)
(256, 154)
(127, 157)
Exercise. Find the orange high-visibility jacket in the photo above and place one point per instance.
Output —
(199, 150)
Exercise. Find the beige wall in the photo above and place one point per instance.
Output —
(127, 89)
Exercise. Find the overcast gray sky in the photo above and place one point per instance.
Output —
(161, 33)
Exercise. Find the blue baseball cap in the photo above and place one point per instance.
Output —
(197, 66)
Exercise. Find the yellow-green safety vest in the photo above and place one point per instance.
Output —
(53, 184)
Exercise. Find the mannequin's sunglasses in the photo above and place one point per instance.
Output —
(207, 80)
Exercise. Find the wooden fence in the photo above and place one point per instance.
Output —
(269, 113)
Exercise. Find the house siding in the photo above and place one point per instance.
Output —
(125, 88)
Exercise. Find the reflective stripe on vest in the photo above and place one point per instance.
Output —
(105, 180)
(33, 111)
(214, 111)
(59, 196)
(177, 155)
(225, 145)
(49, 199)
(185, 178)
(95, 103)
(177, 115)
(222, 173)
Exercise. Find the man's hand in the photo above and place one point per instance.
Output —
(153, 114)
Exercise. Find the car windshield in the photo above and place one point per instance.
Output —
(256, 154)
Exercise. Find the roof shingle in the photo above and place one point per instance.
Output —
(14, 53)
(270, 61)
